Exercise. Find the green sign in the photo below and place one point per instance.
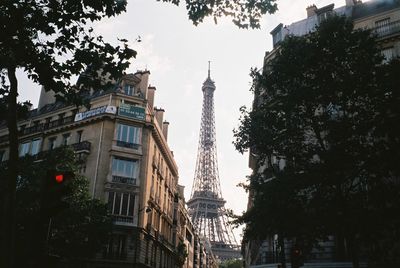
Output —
(132, 111)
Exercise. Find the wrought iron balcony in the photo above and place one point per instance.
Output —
(41, 127)
(122, 220)
(83, 146)
(128, 145)
(120, 179)
(45, 126)
(387, 29)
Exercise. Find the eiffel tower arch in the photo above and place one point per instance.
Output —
(206, 206)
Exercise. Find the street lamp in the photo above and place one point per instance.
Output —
(148, 209)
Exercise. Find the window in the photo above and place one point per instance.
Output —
(35, 146)
(277, 34)
(24, 148)
(79, 136)
(52, 143)
(125, 170)
(388, 53)
(116, 247)
(128, 136)
(382, 27)
(121, 204)
(324, 16)
(66, 139)
(129, 90)
(61, 116)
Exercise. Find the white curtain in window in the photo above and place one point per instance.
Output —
(129, 134)
(35, 147)
(24, 148)
(125, 167)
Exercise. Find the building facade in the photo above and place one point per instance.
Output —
(383, 18)
(121, 147)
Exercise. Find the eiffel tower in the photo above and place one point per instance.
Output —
(206, 206)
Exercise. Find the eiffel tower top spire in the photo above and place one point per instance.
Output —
(209, 83)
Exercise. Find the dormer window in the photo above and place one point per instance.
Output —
(324, 13)
(277, 35)
(324, 16)
(129, 90)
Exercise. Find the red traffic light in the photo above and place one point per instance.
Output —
(59, 178)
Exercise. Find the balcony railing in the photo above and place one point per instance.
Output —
(120, 179)
(122, 220)
(41, 127)
(128, 145)
(387, 29)
(46, 126)
(77, 147)
(81, 146)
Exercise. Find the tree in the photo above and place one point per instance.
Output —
(76, 232)
(326, 108)
(51, 42)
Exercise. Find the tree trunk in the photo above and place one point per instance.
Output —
(9, 230)
(282, 255)
(354, 251)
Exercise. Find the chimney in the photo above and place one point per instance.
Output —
(150, 96)
(165, 129)
(144, 82)
(46, 97)
(311, 10)
(159, 116)
(28, 105)
(350, 3)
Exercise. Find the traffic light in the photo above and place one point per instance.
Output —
(297, 259)
(56, 187)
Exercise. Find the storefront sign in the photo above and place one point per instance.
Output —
(132, 111)
(96, 111)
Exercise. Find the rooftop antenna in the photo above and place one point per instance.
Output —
(209, 69)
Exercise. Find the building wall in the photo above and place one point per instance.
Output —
(142, 206)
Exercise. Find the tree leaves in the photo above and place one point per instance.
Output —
(244, 14)
(49, 40)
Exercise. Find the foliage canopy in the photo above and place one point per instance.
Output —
(324, 129)
(245, 14)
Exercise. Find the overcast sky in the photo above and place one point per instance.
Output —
(177, 53)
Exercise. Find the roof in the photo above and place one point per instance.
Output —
(374, 7)
(359, 10)
(307, 25)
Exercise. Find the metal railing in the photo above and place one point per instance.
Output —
(81, 146)
(387, 29)
(41, 127)
(120, 179)
(77, 147)
(46, 126)
(128, 145)
(122, 220)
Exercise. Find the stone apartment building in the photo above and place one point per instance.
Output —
(121, 145)
(383, 18)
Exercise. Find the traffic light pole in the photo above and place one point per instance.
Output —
(48, 235)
